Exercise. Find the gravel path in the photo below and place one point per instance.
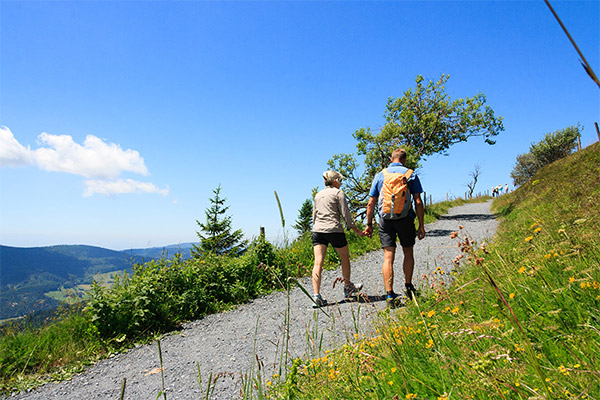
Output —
(230, 344)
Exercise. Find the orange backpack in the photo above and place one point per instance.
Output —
(395, 193)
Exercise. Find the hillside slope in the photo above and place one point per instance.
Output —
(27, 273)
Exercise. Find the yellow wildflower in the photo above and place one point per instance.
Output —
(455, 310)
(430, 314)
(411, 396)
(572, 279)
(429, 344)
(563, 370)
(511, 296)
(391, 383)
(394, 370)
(529, 238)
(521, 270)
(537, 230)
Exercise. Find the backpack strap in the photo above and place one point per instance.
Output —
(385, 172)
(408, 174)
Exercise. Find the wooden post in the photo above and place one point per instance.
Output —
(430, 202)
(262, 231)
(597, 130)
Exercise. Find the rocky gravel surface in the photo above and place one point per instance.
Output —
(232, 344)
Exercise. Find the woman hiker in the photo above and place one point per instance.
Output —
(330, 205)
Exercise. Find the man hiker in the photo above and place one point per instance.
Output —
(393, 224)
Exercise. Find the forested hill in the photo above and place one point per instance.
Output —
(27, 274)
(59, 263)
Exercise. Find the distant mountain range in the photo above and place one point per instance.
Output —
(28, 273)
(154, 253)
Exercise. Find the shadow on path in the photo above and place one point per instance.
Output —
(363, 298)
(439, 232)
(469, 217)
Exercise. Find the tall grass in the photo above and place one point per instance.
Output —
(521, 321)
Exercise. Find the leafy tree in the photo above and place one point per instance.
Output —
(304, 222)
(424, 121)
(217, 236)
(556, 145)
(552, 147)
(526, 167)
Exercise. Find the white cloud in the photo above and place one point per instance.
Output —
(103, 162)
(95, 159)
(109, 188)
(12, 153)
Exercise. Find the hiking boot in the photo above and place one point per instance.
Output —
(410, 291)
(319, 301)
(393, 300)
(353, 290)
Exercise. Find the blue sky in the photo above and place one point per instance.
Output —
(119, 118)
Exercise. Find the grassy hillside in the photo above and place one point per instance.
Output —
(522, 320)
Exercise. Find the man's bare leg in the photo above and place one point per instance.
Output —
(408, 265)
(388, 268)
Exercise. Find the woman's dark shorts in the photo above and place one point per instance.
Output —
(403, 228)
(337, 239)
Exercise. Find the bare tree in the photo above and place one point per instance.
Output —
(474, 175)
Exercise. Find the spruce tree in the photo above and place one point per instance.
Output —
(216, 236)
(304, 222)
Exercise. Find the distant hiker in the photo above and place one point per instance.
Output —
(329, 208)
(506, 188)
(494, 191)
(392, 226)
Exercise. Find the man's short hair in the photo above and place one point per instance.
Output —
(399, 154)
(330, 176)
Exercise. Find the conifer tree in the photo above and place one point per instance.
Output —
(304, 221)
(216, 235)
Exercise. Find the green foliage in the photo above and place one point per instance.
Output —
(424, 121)
(217, 236)
(526, 167)
(57, 350)
(554, 146)
(521, 320)
(304, 221)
